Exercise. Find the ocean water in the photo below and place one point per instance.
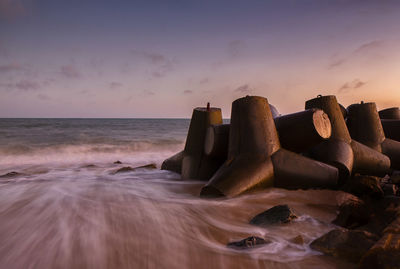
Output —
(65, 207)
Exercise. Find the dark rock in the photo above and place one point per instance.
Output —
(361, 185)
(117, 162)
(384, 254)
(130, 169)
(395, 177)
(389, 189)
(89, 166)
(352, 213)
(249, 242)
(147, 166)
(124, 169)
(10, 174)
(350, 245)
(299, 240)
(274, 215)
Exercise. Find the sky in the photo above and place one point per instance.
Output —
(133, 59)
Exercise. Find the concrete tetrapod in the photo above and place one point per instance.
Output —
(340, 150)
(297, 132)
(256, 160)
(365, 127)
(192, 163)
(392, 113)
(390, 119)
(337, 150)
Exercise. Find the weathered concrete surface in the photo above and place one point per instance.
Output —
(217, 141)
(391, 128)
(392, 113)
(173, 163)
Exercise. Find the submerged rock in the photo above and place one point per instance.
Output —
(361, 185)
(10, 174)
(350, 245)
(274, 215)
(130, 169)
(249, 242)
(389, 189)
(118, 162)
(299, 240)
(352, 213)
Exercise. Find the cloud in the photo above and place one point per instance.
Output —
(236, 48)
(70, 71)
(243, 89)
(115, 85)
(363, 49)
(27, 85)
(367, 47)
(187, 92)
(204, 81)
(352, 85)
(161, 64)
(43, 97)
(148, 92)
(10, 9)
(23, 85)
(10, 67)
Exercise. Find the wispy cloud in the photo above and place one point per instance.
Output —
(23, 85)
(352, 85)
(10, 67)
(161, 64)
(115, 85)
(187, 92)
(363, 50)
(243, 89)
(70, 71)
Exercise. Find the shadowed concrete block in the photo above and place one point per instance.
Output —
(392, 113)
(391, 128)
(300, 131)
(297, 132)
(337, 150)
(253, 141)
(216, 141)
(173, 163)
(368, 161)
(195, 164)
(365, 126)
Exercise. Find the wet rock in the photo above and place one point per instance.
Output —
(117, 162)
(130, 169)
(389, 189)
(89, 166)
(353, 213)
(274, 215)
(350, 245)
(395, 177)
(361, 185)
(10, 175)
(384, 254)
(249, 242)
(299, 240)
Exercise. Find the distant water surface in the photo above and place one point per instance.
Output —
(66, 208)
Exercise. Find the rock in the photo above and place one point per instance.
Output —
(352, 213)
(130, 169)
(361, 185)
(299, 240)
(395, 177)
(350, 245)
(117, 162)
(274, 215)
(389, 189)
(89, 166)
(10, 174)
(249, 242)
(384, 254)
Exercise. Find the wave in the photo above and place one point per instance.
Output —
(136, 150)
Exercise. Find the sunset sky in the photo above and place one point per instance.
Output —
(78, 58)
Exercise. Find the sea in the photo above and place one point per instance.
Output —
(62, 204)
